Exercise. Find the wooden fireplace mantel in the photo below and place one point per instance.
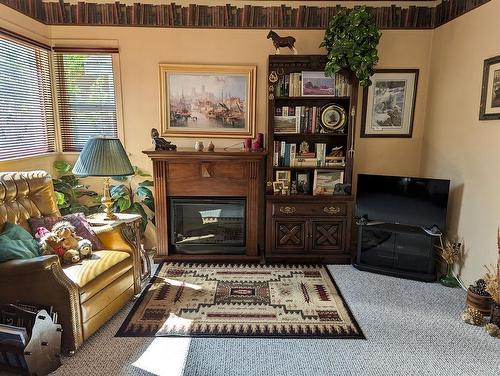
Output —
(231, 173)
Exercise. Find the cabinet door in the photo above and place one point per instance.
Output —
(327, 235)
(289, 235)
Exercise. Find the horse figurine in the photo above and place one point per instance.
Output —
(282, 42)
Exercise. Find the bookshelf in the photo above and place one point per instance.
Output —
(310, 149)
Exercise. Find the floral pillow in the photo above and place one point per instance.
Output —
(78, 220)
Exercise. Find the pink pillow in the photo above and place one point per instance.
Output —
(78, 220)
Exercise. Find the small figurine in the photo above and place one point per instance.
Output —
(159, 142)
(282, 42)
(304, 147)
(211, 146)
(198, 146)
(294, 190)
(336, 152)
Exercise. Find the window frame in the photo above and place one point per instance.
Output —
(37, 46)
(115, 58)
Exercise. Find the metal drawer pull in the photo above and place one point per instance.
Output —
(332, 209)
(287, 209)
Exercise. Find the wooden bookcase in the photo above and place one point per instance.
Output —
(304, 227)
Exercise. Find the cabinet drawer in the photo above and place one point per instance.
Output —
(317, 210)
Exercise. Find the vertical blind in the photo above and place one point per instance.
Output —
(86, 97)
(26, 111)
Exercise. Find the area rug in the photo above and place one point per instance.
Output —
(206, 300)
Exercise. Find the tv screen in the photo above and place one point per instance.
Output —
(403, 200)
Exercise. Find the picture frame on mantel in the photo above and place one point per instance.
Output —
(490, 91)
(389, 104)
(216, 101)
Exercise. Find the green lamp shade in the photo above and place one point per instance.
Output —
(103, 156)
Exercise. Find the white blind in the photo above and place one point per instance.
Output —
(86, 97)
(26, 108)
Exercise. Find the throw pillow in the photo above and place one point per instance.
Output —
(16, 243)
(78, 220)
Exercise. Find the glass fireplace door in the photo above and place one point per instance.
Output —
(207, 225)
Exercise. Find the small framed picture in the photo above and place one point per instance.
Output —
(325, 181)
(316, 84)
(278, 187)
(285, 124)
(302, 182)
(490, 92)
(284, 176)
(389, 103)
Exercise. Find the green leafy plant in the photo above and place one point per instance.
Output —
(70, 193)
(351, 40)
(127, 199)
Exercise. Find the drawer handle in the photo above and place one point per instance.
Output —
(331, 209)
(287, 209)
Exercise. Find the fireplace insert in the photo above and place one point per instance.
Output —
(207, 225)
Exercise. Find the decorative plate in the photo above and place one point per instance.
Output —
(333, 118)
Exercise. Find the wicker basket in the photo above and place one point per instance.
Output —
(479, 302)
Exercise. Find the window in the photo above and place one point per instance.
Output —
(86, 97)
(26, 111)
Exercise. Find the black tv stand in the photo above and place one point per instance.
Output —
(396, 250)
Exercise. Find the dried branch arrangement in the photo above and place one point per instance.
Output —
(492, 276)
(450, 251)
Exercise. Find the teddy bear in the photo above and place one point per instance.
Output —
(64, 242)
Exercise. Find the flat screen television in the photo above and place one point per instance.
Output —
(403, 200)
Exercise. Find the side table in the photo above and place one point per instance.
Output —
(130, 227)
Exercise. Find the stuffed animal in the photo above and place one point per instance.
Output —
(64, 242)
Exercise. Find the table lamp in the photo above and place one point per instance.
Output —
(105, 157)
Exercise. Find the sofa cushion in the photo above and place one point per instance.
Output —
(78, 220)
(90, 268)
(16, 243)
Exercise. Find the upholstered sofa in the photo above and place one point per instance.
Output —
(86, 294)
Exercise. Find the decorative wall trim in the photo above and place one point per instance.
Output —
(231, 16)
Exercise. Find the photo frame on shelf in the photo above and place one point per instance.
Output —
(389, 103)
(207, 100)
(326, 180)
(316, 84)
(490, 92)
(278, 187)
(284, 176)
(303, 182)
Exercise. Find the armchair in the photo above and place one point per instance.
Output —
(85, 295)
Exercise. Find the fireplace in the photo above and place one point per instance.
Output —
(207, 225)
(209, 206)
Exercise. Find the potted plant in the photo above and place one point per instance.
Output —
(450, 252)
(351, 41)
(71, 195)
(138, 200)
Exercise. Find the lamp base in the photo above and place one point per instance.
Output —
(108, 202)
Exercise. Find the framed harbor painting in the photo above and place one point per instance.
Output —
(490, 93)
(207, 100)
(389, 103)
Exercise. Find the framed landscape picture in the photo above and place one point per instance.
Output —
(317, 84)
(325, 181)
(490, 93)
(207, 100)
(389, 103)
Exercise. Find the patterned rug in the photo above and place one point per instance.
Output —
(251, 300)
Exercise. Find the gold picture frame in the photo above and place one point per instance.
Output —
(207, 100)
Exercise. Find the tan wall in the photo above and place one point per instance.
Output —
(456, 144)
(142, 49)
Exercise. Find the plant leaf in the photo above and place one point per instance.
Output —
(144, 192)
(146, 183)
(62, 167)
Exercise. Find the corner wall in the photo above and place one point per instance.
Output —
(456, 145)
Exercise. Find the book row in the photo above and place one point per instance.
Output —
(286, 155)
(248, 16)
(315, 84)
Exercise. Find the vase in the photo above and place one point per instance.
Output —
(495, 314)
(449, 279)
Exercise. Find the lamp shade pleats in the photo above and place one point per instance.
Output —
(103, 156)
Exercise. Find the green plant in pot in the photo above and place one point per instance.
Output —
(351, 41)
(138, 200)
(71, 195)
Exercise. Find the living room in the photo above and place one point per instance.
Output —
(293, 288)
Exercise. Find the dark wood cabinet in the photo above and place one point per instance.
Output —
(308, 226)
